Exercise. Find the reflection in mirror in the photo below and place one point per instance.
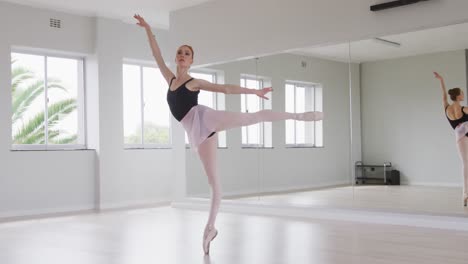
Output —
(309, 164)
(288, 162)
(409, 156)
(237, 153)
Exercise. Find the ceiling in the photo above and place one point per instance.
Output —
(156, 12)
(434, 40)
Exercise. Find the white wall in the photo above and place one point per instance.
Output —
(39, 182)
(219, 31)
(127, 177)
(403, 118)
(34, 182)
(223, 30)
(283, 168)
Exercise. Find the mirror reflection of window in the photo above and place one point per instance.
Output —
(302, 97)
(212, 100)
(258, 135)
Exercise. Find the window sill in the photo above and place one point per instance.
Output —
(18, 148)
(188, 147)
(302, 146)
(37, 150)
(255, 147)
(146, 148)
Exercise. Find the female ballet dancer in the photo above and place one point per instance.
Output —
(458, 118)
(201, 123)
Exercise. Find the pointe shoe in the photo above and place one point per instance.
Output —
(465, 200)
(310, 116)
(209, 235)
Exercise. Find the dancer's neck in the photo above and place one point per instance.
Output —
(182, 73)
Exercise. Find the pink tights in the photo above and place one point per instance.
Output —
(207, 149)
(462, 145)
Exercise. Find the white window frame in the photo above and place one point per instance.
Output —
(81, 103)
(312, 86)
(144, 145)
(261, 82)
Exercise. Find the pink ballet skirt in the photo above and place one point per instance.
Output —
(199, 123)
(460, 131)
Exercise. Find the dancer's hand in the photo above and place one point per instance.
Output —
(437, 75)
(261, 93)
(141, 21)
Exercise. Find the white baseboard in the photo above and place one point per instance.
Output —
(278, 190)
(452, 222)
(67, 211)
(134, 204)
(432, 184)
(45, 213)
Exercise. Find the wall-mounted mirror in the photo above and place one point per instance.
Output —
(410, 160)
(290, 162)
(238, 153)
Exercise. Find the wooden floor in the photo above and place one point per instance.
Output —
(415, 199)
(167, 235)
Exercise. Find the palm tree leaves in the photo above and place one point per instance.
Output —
(30, 130)
(22, 99)
(59, 110)
(19, 75)
(34, 128)
(66, 140)
(26, 88)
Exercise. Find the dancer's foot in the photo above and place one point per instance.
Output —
(209, 235)
(310, 116)
(207, 259)
(465, 200)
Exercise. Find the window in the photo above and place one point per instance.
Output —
(258, 135)
(47, 102)
(303, 97)
(146, 113)
(210, 99)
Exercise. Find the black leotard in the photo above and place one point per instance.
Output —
(456, 122)
(181, 100)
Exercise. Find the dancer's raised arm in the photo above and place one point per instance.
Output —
(444, 90)
(166, 72)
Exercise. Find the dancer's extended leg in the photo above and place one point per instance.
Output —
(463, 151)
(207, 154)
(236, 119)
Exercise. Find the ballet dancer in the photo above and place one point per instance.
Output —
(458, 119)
(201, 123)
